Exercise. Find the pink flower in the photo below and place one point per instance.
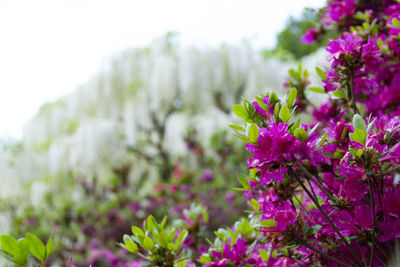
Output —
(310, 36)
(274, 147)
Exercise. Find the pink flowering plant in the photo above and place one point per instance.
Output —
(325, 193)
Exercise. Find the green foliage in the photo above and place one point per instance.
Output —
(289, 45)
(358, 136)
(321, 73)
(17, 251)
(300, 134)
(359, 123)
(161, 246)
(291, 97)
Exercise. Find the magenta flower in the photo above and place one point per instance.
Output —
(283, 214)
(274, 148)
(349, 50)
(371, 55)
(235, 254)
(393, 155)
(208, 176)
(363, 216)
(310, 36)
(337, 9)
(345, 45)
(261, 111)
(354, 185)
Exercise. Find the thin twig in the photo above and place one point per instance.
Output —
(323, 254)
(291, 172)
(316, 182)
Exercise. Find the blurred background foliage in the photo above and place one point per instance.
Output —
(289, 46)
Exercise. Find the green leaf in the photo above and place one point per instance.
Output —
(148, 243)
(255, 205)
(359, 15)
(284, 114)
(36, 247)
(268, 223)
(344, 133)
(253, 173)
(339, 94)
(370, 125)
(131, 246)
(295, 75)
(163, 222)
(296, 125)
(358, 136)
(172, 246)
(165, 237)
(8, 244)
(380, 43)
(356, 152)
(205, 258)
(396, 23)
(137, 231)
(314, 229)
(171, 235)
(264, 254)
(240, 111)
(359, 123)
(261, 103)
(21, 253)
(181, 263)
(182, 236)
(323, 138)
(251, 247)
(237, 127)
(151, 224)
(253, 133)
(158, 239)
(324, 245)
(222, 234)
(317, 90)
(291, 97)
(244, 182)
(49, 246)
(300, 134)
(273, 99)
(277, 108)
(320, 73)
(245, 227)
(310, 132)
(126, 238)
(242, 137)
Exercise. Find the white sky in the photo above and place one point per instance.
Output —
(49, 47)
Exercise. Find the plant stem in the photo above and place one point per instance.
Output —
(371, 256)
(316, 181)
(291, 172)
(371, 199)
(392, 170)
(323, 254)
(350, 87)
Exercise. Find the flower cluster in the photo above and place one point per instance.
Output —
(324, 193)
(328, 194)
